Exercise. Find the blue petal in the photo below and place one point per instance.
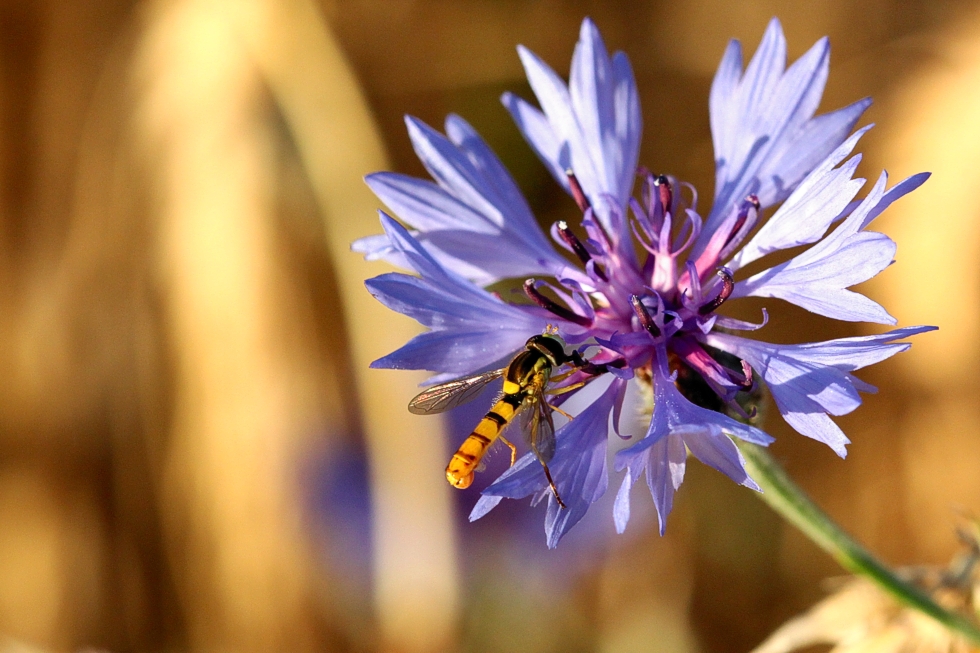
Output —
(723, 89)
(718, 451)
(556, 105)
(688, 418)
(378, 247)
(578, 467)
(427, 206)
(590, 94)
(458, 350)
(480, 258)
(818, 388)
(810, 210)
(592, 126)
(474, 197)
(817, 278)
(854, 353)
(815, 425)
(897, 191)
(417, 258)
(537, 131)
(812, 380)
(453, 170)
(678, 425)
(816, 138)
(766, 139)
(605, 101)
(497, 181)
(471, 327)
(499, 256)
(484, 504)
(665, 466)
(442, 306)
(621, 507)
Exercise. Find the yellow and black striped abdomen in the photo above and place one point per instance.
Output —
(529, 370)
(467, 458)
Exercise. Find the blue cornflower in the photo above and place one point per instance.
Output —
(642, 303)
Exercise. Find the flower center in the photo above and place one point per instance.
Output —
(634, 308)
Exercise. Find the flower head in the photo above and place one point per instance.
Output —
(641, 301)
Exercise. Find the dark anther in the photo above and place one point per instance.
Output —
(644, 316)
(752, 201)
(583, 255)
(728, 285)
(577, 192)
(572, 241)
(666, 194)
(553, 307)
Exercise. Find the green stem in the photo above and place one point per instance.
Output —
(792, 503)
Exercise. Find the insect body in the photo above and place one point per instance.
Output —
(525, 382)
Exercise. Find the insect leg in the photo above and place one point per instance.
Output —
(567, 388)
(513, 449)
(554, 490)
(558, 378)
(556, 408)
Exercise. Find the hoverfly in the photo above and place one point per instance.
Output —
(525, 381)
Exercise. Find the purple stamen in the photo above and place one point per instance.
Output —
(647, 193)
(724, 381)
(695, 288)
(595, 230)
(729, 235)
(690, 231)
(578, 248)
(557, 309)
(577, 192)
(728, 285)
(644, 316)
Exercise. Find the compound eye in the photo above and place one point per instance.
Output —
(554, 347)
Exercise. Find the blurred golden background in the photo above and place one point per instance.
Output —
(193, 453)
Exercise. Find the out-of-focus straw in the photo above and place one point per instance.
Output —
(232, 511)
(415, 560)
(937, 229)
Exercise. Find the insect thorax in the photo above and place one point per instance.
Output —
(529, 368)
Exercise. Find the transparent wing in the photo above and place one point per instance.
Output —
(539, 428)
(457, 392)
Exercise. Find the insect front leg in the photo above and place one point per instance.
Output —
(560, 411)
(558, 378)
(568, 388)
